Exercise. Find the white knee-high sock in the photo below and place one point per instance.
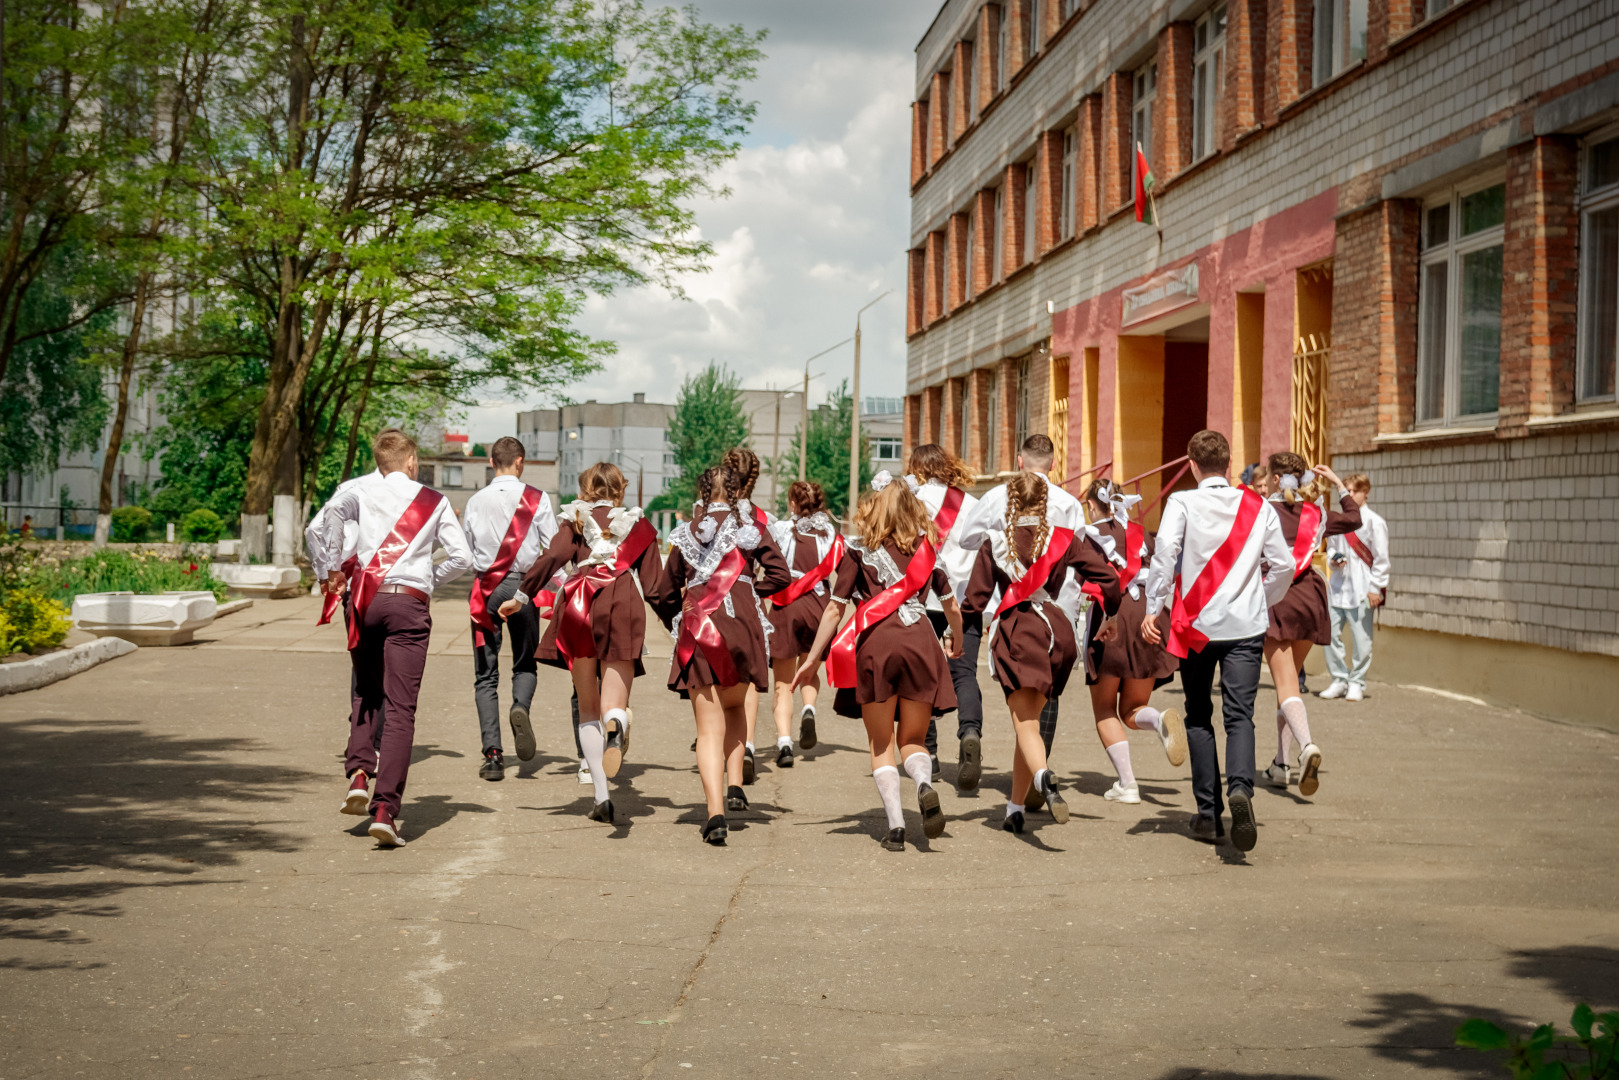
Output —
(1284, 739)
(1119, 752)
(1297, 720)
(887, 778)
(1147, 718)
(593, 739)
(621, 715)
(1039, 775)
(920, 768)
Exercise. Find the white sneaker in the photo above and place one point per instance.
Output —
(1309, 770)
(584, 773)
(1119, 793)
(1337, 690)
(1356, 693)
(1277, 774)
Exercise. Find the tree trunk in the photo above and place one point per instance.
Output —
(365, 396)
(284, 550)
(115, 440)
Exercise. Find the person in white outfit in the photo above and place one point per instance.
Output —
(1359, 584)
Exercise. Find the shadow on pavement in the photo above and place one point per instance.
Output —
(79, 797)
(1588, 973)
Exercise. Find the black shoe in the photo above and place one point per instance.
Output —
(522, 733)
(1013, 822)
(748, 770)
(933, 765)
(1054, 801)
(715, 832)
(784, 757)
(972, 762)
(694, 746)
(735, 800)
(618, 741)
(493, 767)
(895, 840)
(602, 811)
(927, 801)
(806, 730)
(1207, 829)
(1244, 833)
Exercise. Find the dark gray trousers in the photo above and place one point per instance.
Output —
(525, 635)
(964, 676)
(1239, 663)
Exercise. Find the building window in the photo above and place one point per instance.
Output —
(992, 425)
(1003, 44)
(1021, 417)
(1340, 37)
(998, 258)
(1070, 8)
(1599, 271)
(1146, 89)
(1434, 7)
(1031, 37)
(969, 88)
(423, 474)
(1031, 208)
(969, 260)
(946, 136)
(452, 476)
(886, 449)
(1459, 345)
(1070, 181)
(1208, 80)
(964, 419)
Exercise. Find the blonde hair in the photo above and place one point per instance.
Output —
(1025, 495)
(930, 461)
(1287, 463)
(392, 449)
(602, 482)
(894, 514)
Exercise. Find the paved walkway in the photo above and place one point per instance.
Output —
(179, 897)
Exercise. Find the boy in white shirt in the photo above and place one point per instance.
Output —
(1359, 582)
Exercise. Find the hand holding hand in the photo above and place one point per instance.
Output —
(952, 647)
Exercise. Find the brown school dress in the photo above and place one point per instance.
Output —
(792, 628)
(1301, 614)
(891, 658)
(617, 613)
(1034, 650)
(1127, 656)
(742, 625)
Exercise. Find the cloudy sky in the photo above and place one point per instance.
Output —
(814, 228)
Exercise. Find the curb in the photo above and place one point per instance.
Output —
(230, 606)
(54, 667)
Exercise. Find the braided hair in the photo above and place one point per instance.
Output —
(806, 497)
(745, 464)
(1026, 495)
(719, 484)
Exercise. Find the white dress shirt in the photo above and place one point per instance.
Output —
(956, 560)
(375, 504)
(1194, 525)
(488, 517)
(1063, 511)
(1352, 580)
(351, 530)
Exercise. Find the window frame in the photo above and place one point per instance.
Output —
(1022, 406)
(968, 264)
(1031, 212)
(1592, 202)
(1031, 43)
(1451, 253)
(1206, 101)
(992, 425)
(1341, 14)
(1066, 216)
(997, 256)
(887, 442)
(1143, 96)
(1003, 38)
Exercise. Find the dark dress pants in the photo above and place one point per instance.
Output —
(964, 676)
(388, 666)
(525, 635)
(1239, 663)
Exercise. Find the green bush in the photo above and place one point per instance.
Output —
(31, 622)
(130, 524)
(201, 526)
(123, 571)
(1545, 1055)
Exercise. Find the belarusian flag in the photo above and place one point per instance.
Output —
(1143, 187)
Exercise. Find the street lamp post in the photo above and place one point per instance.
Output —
(803, 427)
(854, 415)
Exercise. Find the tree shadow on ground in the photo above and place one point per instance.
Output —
(1229, 1074)
(81, 798)
(1588, 973)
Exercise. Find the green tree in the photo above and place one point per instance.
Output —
(827, 459)
(708, 420)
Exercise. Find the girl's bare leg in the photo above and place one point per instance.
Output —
(879, 720)
(1105, 707)
(1030, 756)
(782, 704)
(592, 735)
(711, 740)
(738, 720)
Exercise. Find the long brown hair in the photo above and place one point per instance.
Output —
(894, 514)
(717, 485)
(930, 461)
(602, 481)
(1026, 495)
(745, 464)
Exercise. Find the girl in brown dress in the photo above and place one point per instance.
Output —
(719, 566)
(598, 624)
(807, 540)
(745, 463)
(1301, 618)
(897, 671)
(1122, 669)
(1032, 651)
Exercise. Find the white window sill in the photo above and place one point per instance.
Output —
(1434, 434)
(1574, 419)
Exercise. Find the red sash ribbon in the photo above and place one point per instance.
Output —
(1035, 577)
(1304, 542)
(574, 636)
(516, 533)
(949, 510)
(1358, 546)
(363, 584)
(840, 659)
(697, 629)
(331, 601)
(1184, 637)
(813, 577)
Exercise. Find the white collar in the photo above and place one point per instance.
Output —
(1213, 481)
(504, 478)
(398, 476)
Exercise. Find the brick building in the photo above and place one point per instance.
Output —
(1390, 238)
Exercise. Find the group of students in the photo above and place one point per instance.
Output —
(928, 571)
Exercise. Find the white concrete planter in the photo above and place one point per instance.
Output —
(258, 579)
(145, 618)
(226, 549)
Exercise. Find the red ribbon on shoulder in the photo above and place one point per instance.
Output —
(697, 629)
(840, 659)
(813, 577)
(331, 601)
(516, 533)
(363, 584)
(1035, 577)
(1183, 636)
(949, 510)
(1304, 541)
(1358, 546)
(574, 636)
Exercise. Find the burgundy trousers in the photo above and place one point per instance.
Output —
(388, 666)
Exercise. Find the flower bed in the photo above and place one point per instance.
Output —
(108, 571)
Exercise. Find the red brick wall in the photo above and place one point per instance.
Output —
(1088, 214)
(1048, 215)
(950, 428)
(956, 252)
(1289, 34)
(1012, 217)
(1372, 383)
(960, 115)
(989, 28)
(983, 253)
(932, 414)
(1006, 437)
(1115, 181)
(919, 128)
(1244, 99)
(1172, 108)
(1019, 14)
(938, 117)
(1387, 20)
(1540, 281)
(933, 302)
(977, 456)
(916, 275)
(913, 423)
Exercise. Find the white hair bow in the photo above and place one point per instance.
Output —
(1289, 482)
(1119, 502)
(882, 480)
(912, 483)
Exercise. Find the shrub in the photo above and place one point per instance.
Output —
(32, 622)
(201, 526)
(1545, 1055)
(122, 571)
(130, 524)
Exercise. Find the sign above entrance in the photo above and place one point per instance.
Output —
(1160, 294)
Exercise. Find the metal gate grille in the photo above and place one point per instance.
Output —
(1057, 422)
(1311, 360)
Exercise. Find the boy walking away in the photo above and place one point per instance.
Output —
(389, 579)
(1222, 555)
(508, 523)
(1360, 582)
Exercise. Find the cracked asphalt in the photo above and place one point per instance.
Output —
(180, 898)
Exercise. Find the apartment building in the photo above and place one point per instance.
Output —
(630, 434)
(1387, 236)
